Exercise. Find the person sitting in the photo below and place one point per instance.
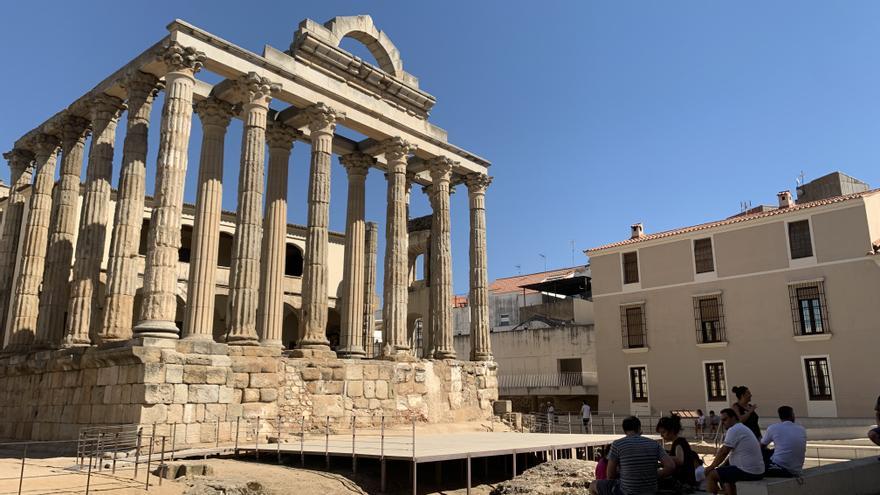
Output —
(601, 465)
(745, 460)
(632, 464)
(874, 434)
(789, 446)
(745, 410)
(700, 473)
(669, 429)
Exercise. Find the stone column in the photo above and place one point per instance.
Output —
(481, 346)
(244, 272)
(25, 303)
(322, 124)
(215, 115)
(159, 305)
(93, 220)
(270, 315)
(20, 175)
(371, 242)
(441, 259)
(395, 287)
(62, 234)
(352, 323)
(129, 216)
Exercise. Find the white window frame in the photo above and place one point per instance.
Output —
(717, 405)
(636, 285)
(707, 276)
(819, 408)
(800, 262)
(641, 408)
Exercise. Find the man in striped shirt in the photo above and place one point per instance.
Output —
(632, 464)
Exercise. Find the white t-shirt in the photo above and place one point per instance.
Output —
(700, 477)
(746, 453)
(790, 445)
(585, 411)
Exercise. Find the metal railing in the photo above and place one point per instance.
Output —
(548, 380)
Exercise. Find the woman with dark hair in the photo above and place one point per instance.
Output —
(699, 424)
(669, 428)
(745, 410)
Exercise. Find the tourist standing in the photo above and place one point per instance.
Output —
(789, 446)
(714, 422)
(874, 434)
(743, 452)
(745, 410)
(551, 416)
(585, 416)
(632, 464)
(699, 424)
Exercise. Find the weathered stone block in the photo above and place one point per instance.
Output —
(162, 393)
(108, 375)
(154, 373)
(327, 405)
(251, 395)
(354, 372)
(381, 389)
(333, 387)
(264, 380)
(216, 375)
(154, 413)
(173, 373)
(227, 395)
(385, 372)
(195, 374)
(181, 393)
(356, 388)
(268, 394)
(370, 389)
(201, 394)
(310, 374)
(371, 372)
(240, 380)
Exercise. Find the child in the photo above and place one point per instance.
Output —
(601, 465)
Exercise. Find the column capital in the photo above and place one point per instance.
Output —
(440, 168)
(46, 145)
(396, 148)
(254, 89)
(280, 135)
(74, 129)
(104, 107)
(357, 163)
(140, 85)
(477, 183)
(179, 58)
(322, 117)
(213, 111)
(19, 158)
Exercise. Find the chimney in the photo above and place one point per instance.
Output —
(638, 231)
(785, 199)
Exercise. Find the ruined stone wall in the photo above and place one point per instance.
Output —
(199, 390)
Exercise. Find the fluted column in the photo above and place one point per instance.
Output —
(20, 175)
(163, 241)
(62, 234)
(93, 220)
(322, 124)
(244, 271)
(481, 346)
(352, 322)
(128, 217)
(396, 281)
(371, 243)
(25, 305)
(270, 315)
(215, 115)
(441, 259)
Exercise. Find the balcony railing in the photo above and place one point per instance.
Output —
(549, 380)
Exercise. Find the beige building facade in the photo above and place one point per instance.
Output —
(783, 300)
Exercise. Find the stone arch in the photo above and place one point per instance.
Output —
(361, 28)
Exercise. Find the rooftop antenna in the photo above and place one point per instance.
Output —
(800, 179)
(572, 252)
(545, 260)
(518, 269)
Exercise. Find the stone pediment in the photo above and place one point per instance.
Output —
(318, 45)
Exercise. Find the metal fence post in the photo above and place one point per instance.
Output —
(382, 455)
(415, 465)
(613, 424)
(162, 461)
(278, 440)
(99, 452)
(354, 459)
(21, 475)
(89, 475)
(115, 449)
(173, 440)
(302, 439)
(237, 426)
(569, 423)
(327, 443)
(217, 436)
(150, 457)
(137, 451)
(257, 435)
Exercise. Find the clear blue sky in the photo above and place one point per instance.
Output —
(594, 114)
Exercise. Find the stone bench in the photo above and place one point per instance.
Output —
(858, 477)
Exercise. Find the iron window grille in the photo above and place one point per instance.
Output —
(716, 385)
(630, 268)
(809, 309)
(818, 378)
(799, 239)
(709, 319)
(638, 384)
(632, 326)
(703, 261)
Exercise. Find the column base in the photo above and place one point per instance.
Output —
(482, 356)
(276, 344)
(312, 353)
(351, 353)
(444, 354)
(242, 340)
(159, 329)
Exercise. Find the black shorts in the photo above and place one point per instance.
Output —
(609, 487)
(586, 421)
(732, 474)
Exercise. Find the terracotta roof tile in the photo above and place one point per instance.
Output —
(736, 219)
(512, 284)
